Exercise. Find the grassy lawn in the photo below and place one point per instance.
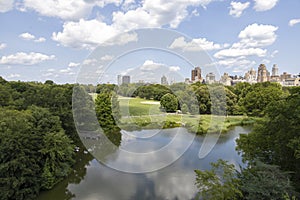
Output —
(138, 106)
(140, 113)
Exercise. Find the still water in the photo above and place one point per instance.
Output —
(92, 180)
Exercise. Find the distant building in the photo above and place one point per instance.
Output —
(196, 74)
(250, 76)
(263, 74)
(275, 74)
(291, 82)
(164, 80)
(210, 78)
(125, 79)
(225, 79)
(187, 81)
(119, 79)
(285, 76)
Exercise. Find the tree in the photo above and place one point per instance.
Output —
(262, 181)
(184, 109)
(58, 153)
(275, 139)
(105, 112)
(262, 94)
(19, 160)
(218, 183)
(169, 102)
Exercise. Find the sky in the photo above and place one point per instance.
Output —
(55, 39)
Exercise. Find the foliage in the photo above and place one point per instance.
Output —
(184, 109)
(153, 91)
(108, 112)
(262, 181)
(218, 183)
(31, 142)
(169, 102)
(275, 139)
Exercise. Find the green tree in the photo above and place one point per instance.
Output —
(105, 112)
(262, 181)
(218, 183)
(275, 139)
(19, 160)
(169, 102)
(184, 109)
(57, 152)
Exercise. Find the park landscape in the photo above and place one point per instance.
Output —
(36, 118)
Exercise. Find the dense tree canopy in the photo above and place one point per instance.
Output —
(276, 139)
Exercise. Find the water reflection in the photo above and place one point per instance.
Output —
(93, 181)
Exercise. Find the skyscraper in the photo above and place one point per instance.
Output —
(196, 74)
(262, 74)
(275, 70)
(164, 80)
(125, 79)
(119, 79)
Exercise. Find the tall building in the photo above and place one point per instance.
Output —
(210, 78)
(196, 74)
(164, 80)
(275, 75)
(275, 70)
(250, 76)
(125, 79)
(225, 79)
(119, 79)
(262, 74)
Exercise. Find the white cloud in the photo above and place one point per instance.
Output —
(89, 62)
(40, 39)
(174, 68)
(2, 46)
(252, 40)
(293, 22)
(67, 70)
(22, 58)
(88, 34)
(156, 13)
(198, 44)
(51, 70)
(257, 35)
(237, 8)
(273, 54)
(240, 61)
(14, 76)
(72, 64)
(107, 57)
(148, 13)
(264, 5)
(150, 65)
(27, 36)
(67, 10)
(6, 5)
(232, 52)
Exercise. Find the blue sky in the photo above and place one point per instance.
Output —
(51, 39)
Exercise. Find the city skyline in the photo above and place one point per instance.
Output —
(262, 74)
(54, 39)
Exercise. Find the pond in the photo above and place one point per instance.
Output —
(92, 180)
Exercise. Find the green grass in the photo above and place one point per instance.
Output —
(138, 106)
(140, 113)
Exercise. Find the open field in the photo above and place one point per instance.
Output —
(138, 106)
(139, 113)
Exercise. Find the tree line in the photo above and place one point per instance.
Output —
(198, 98)
(272, 154)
